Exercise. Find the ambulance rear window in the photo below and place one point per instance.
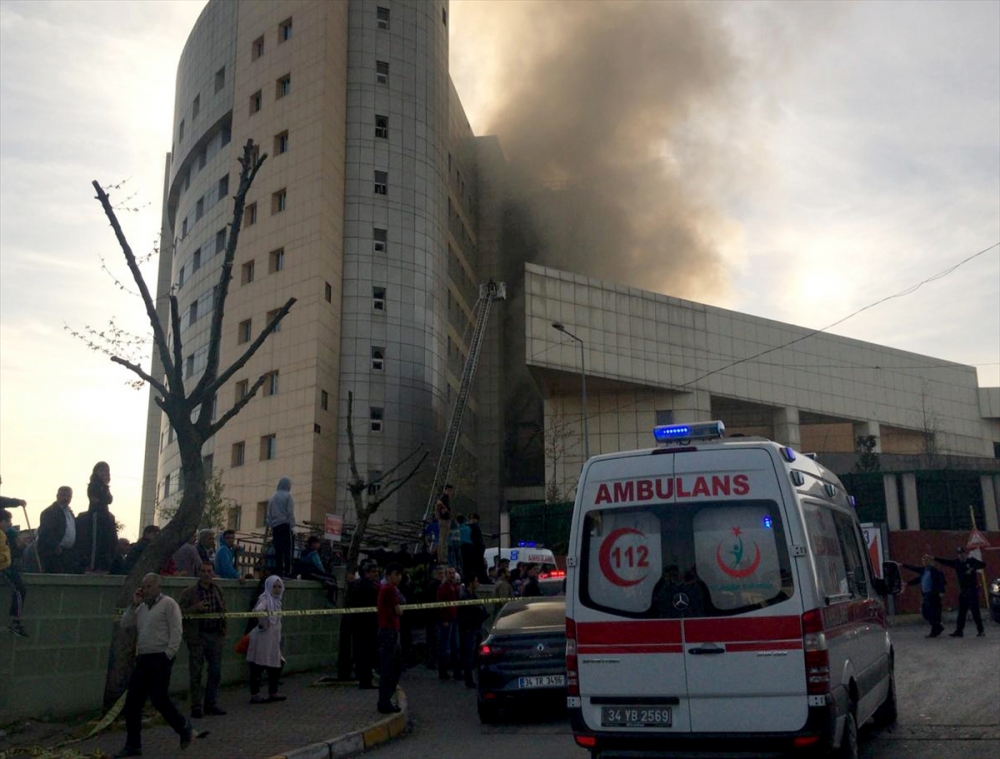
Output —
(704, 559)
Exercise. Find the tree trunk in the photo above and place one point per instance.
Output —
(359, 534)
(121, 656)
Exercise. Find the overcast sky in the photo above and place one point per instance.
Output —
(862, 151)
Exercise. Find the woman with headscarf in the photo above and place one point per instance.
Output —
(96, 533)
(264, 653)
(281, 520)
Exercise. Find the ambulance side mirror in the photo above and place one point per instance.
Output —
(891, 583)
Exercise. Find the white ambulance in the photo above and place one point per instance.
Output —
(720, 599)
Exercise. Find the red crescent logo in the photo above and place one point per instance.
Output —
(739, 574)
(604, 557)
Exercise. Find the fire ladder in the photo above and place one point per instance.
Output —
(488, 292)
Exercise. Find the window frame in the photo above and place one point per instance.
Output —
(239, 454)
(382, 72)
(244, 332)
(381, 187)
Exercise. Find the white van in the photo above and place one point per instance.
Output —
(720, 598)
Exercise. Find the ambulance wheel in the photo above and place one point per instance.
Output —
(488, 714)
(887, 713)
(849, 740)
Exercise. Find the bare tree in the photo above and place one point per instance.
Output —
(558, 439)
(191, 413)
(369, 495)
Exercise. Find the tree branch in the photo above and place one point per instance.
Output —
(158, 337)
(352, 460)
(237, 407)
(223, 378)
(155, 384)
(396, 485)
(177, 379)
(400, 463)
(249, 166)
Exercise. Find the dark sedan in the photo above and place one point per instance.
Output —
(523, 656)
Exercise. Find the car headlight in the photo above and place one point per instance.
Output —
(995, 587)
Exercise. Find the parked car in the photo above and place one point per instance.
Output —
(523, 657)
(995, 600)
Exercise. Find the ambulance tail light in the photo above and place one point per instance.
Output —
(817, 654)
(572, 668)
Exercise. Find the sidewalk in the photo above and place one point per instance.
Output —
(339, 715)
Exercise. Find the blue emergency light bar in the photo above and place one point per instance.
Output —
(524, 544)
(701, 431)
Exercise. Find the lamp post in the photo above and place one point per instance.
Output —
(583, 380)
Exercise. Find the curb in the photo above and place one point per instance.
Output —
(384, 730)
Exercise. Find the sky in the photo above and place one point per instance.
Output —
(835, 154)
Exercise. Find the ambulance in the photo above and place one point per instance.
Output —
(720, 599)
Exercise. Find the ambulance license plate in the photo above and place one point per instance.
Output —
(636, 716)
(542, 681)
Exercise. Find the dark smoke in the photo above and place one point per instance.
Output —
(616, 117)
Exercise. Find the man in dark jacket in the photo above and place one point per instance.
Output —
(931, 581)
(149, 533)
(57, 536)
(968, 597)
(530, 587)
(478, 548)
(205, 640)
(363, 593)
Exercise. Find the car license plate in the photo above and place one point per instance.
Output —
(542, 681)
(636, 716)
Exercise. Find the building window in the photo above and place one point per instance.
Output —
(324, 400)
(378, 358)
(184, 228)
(381, 237)
(261, 513)
(317, 429)
(374, 481)
(251, 214)
(244, 331)
(170, 435)
(207, 462)
(199, 208)
(166, 486)
(189, 366)
(257, 49)
(242, 388)
(382, 16)
(281, 143)
(283, 87)
(202, 159)
(328, 292)
(268, 447)
(271, 315)
(271, 383)
(256, 102)
(223, 187)
(381, 72)
(195, 107)
(661, 416)
(180, 132)
(285, 31)
(381, 182)
(382, 127)
(276, 261)
(239, 453)
(193, 313)
(220, 79)
(279, 201)
(196, 261)
(234, 515)
(220, 241)
(180, 278)
(375, 418)
(254, 155)
(378, 298)
(247, 273)
(227, 135)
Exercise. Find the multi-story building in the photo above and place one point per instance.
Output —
(364, 210)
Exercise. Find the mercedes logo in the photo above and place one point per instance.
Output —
(540, 647)
(681, 602)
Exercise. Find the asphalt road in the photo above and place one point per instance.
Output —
(949, 694)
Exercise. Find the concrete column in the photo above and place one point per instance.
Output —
(989, 503)
(889, 486)
(786, 427)
(869, 428)
(691, 407)
(910, 501)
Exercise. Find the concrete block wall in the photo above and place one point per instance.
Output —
(60, 668)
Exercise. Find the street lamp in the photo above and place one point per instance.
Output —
(583, 380)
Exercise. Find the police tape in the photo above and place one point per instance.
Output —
(341, 612)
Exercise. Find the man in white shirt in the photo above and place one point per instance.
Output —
(158, 620)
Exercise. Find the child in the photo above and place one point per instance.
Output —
(264, 653)
(10, 547)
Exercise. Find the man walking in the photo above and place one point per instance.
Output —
(57, 536)
(931, 582)
(968, 590)
(158, 620)
(390, 609)
(205, 639)
(364, 593)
